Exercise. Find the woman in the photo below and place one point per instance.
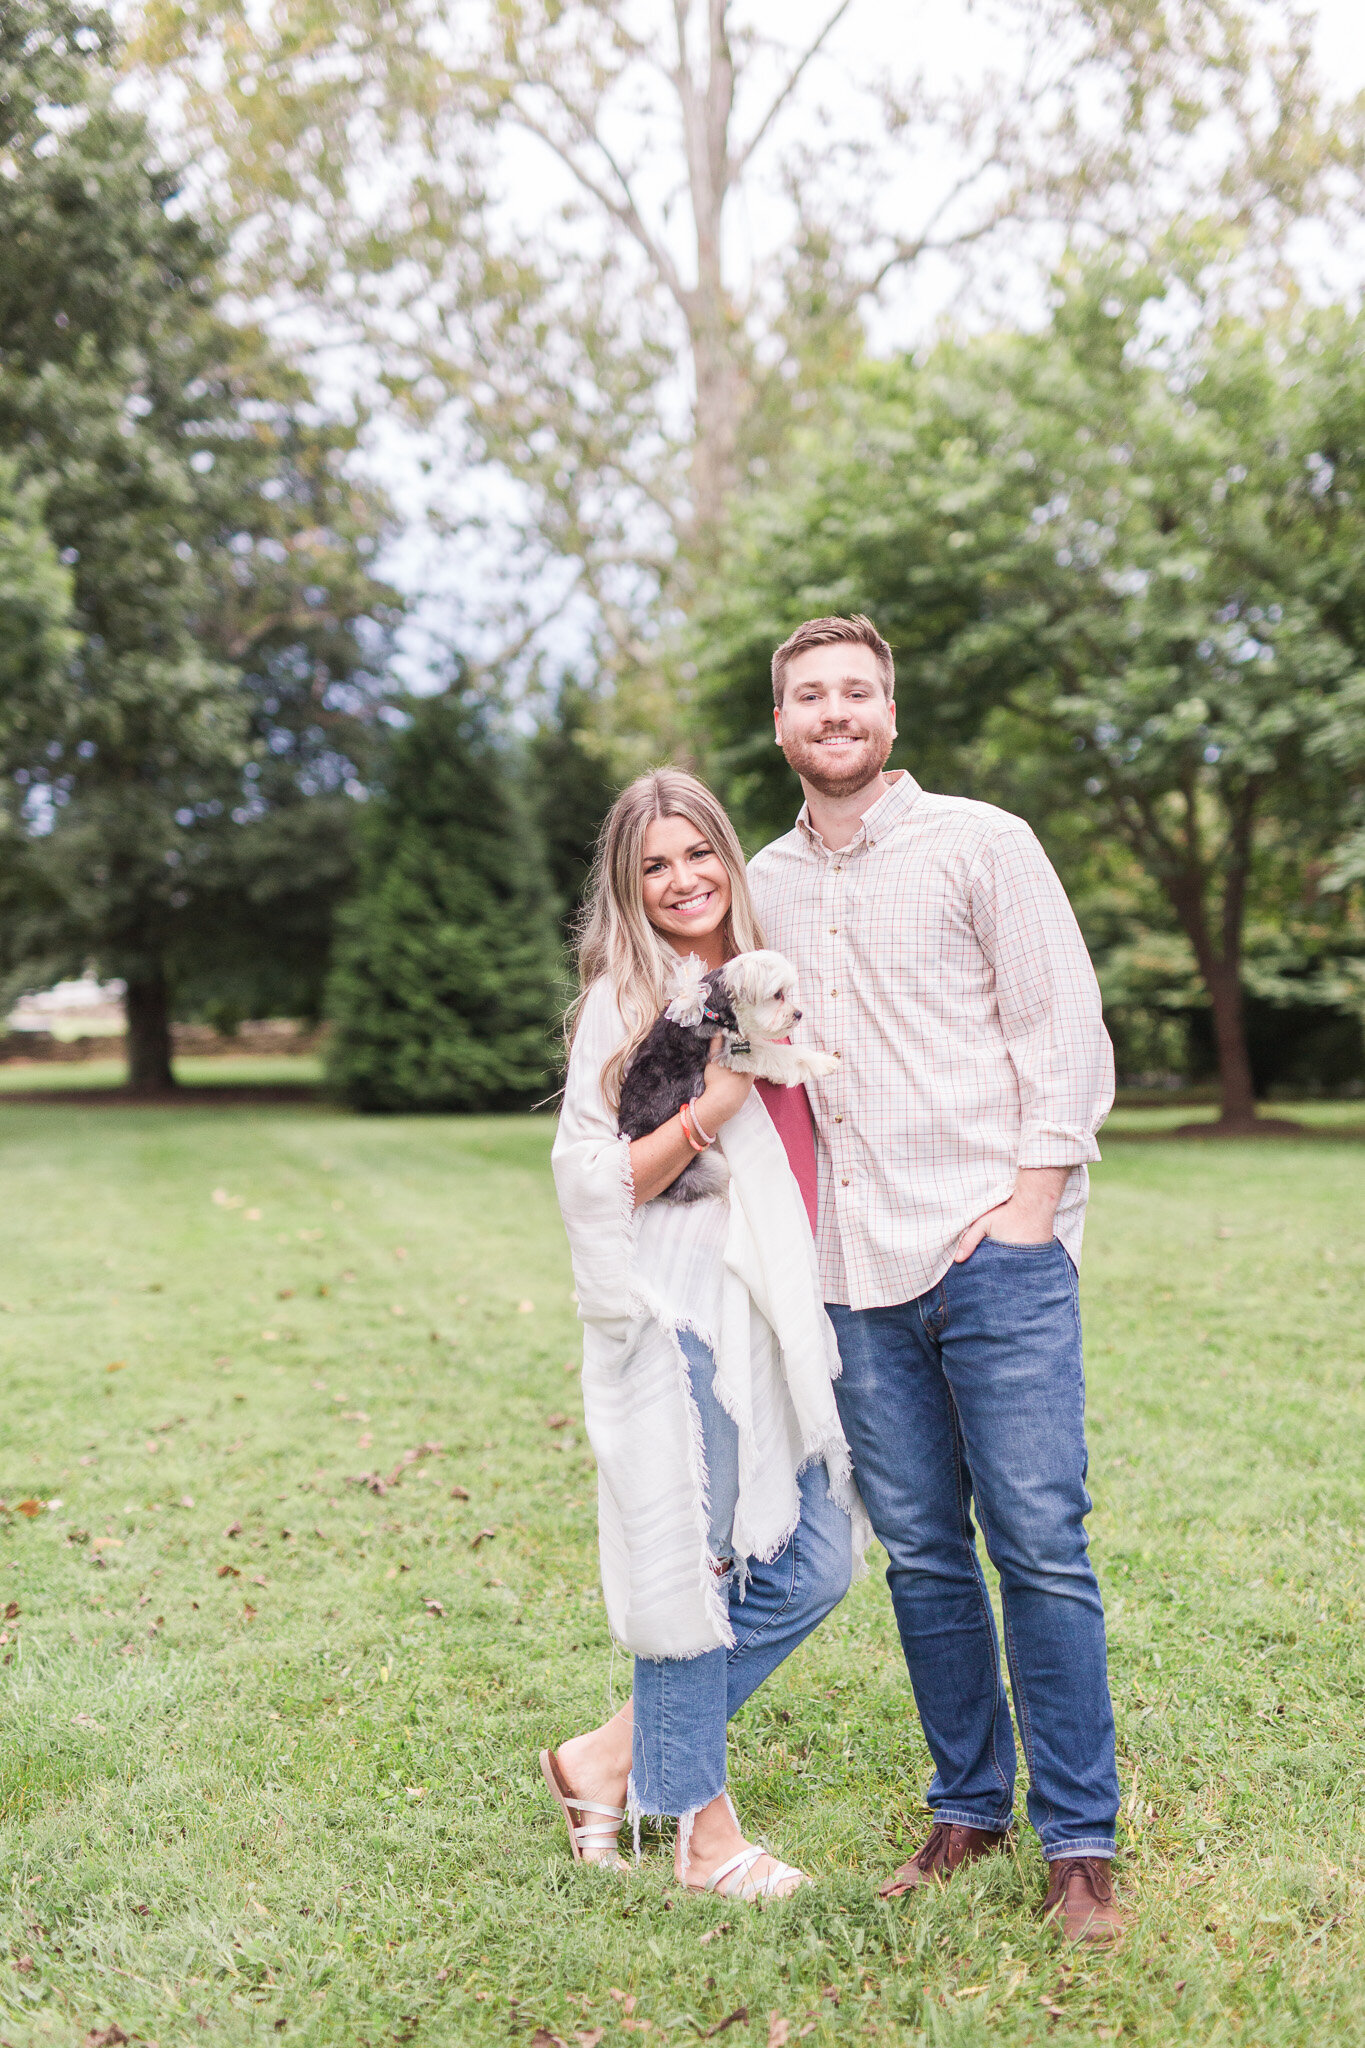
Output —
(728, 1521)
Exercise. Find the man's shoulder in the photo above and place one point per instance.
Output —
(776, 855)
(966, 816)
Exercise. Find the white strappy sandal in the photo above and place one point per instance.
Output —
(592, 1841)
(732, 1880)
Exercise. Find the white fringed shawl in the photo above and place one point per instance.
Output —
(743, 1275)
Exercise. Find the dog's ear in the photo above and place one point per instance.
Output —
(689, 991)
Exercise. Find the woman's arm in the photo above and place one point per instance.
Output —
(656, 1161)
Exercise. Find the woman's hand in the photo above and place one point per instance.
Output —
(724, 1094)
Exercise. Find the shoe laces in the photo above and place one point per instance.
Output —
(1095, 1871)
(935, 1850)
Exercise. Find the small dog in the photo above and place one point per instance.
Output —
(751, 1004)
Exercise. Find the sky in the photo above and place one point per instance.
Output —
(942, 38)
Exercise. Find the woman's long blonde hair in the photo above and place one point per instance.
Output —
(616, 938)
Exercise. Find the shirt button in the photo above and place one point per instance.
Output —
(834, 991)
(843, 1183)
(838, 1119)
(833, 929)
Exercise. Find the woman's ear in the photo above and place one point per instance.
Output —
(689, 983)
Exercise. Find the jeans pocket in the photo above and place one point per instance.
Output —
(1053, 1244)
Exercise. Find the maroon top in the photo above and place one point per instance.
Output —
(789, 1109)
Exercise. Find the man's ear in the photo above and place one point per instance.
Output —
(777, 723)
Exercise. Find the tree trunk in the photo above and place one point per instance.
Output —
(1234, 1061)
(149, 1034)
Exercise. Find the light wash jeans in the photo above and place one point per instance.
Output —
(973, 1398)
(683, 1704)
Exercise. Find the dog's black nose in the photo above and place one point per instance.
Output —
(796, 1016)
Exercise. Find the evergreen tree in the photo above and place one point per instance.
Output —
(443, 986)
(572, 788)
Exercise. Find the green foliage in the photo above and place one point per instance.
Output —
(225, 1804)
(444, 983)
(571, 788)
(230, 633)
(1121, 571)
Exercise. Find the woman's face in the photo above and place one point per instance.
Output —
(686, 888)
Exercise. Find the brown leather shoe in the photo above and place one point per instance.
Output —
(948, 1846)
(1080, 1900)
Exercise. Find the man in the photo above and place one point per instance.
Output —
(941, 963)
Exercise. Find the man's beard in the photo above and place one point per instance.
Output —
(840, 773)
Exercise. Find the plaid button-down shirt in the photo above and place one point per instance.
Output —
(940, 960)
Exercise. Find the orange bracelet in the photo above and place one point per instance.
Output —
(692, 1130)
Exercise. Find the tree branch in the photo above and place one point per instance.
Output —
(738, 162)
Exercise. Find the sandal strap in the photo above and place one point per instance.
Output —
(596, 1832)
(616, 1813)
(738, 1866)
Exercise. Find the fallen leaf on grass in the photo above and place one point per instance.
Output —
(105, 2037)
(588, 2037)
(543, 2038)
(779, 2030)
(107, 1543)
(248, 1611)
(738, 2018)
(30, 1507)
(228, 1571)
(1054, 2012)
(87, 1721)
(257, 1580)
(459, 1493)
(11, 1610)
(24, 1965)
(556, 1421)
(233, 1529)
(434, 1607)
(526, 1308)
(119, 1365)
(483, 1536)
(714, 1933)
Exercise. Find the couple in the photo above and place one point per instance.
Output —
(928, 1221)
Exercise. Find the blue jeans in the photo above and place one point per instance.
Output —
(974, 1394)
(683, 1704)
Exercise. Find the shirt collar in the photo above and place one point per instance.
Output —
(891, 806)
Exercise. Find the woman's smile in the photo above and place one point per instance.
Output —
(690, 905)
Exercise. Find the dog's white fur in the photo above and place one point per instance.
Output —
(762, 989)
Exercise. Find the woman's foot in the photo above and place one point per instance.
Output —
(595, 1767)
(716, 1841)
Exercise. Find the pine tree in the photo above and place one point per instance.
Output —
(444, 980)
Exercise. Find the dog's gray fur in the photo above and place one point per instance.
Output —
(750, 1003)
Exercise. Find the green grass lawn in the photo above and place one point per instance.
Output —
(268, 1767)
(220, 1070)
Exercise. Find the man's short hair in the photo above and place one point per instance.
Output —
(857, 631)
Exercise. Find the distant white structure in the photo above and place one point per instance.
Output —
(73, 1009)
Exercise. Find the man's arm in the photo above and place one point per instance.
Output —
(1053, 1024)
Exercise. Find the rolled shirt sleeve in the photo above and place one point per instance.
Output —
(1048, 1000)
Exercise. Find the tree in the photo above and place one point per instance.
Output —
(571, 789)
(444, 980)
(1137, 561)
(214, 546)
(542, 213)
